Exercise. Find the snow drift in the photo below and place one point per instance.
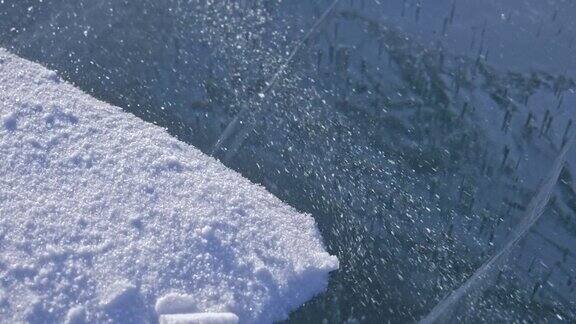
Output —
(105, 217)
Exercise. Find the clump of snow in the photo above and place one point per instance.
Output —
(104, 217)
(200, 318)
(175, 303)
(76, 315)
(10, 122)
(122, 301)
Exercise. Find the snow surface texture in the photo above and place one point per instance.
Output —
(104, 217)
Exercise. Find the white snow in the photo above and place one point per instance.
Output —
(199, 318)
(75, 315)
(105, 217)
(175, 303)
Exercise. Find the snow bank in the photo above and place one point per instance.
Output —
(105, 217)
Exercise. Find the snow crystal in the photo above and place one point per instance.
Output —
(104, 217)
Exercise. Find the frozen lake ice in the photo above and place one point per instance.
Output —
(417, 135)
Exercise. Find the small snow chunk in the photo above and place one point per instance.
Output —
(199, 318)
(76, 315)
(175, 303)
(10, 122)
(52, 76)
(261, 95)
(123, 302)
(119, 294)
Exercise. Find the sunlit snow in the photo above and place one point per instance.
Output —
(106, 217)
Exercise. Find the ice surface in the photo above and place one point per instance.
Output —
(105, 217)
(416, 132)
